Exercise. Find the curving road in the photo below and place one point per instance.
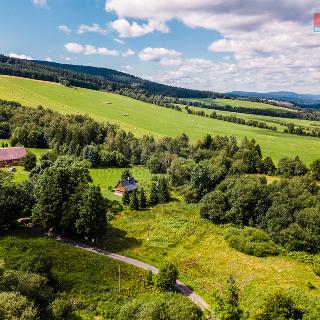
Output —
(180, 286)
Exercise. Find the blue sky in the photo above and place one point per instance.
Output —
(215, 45)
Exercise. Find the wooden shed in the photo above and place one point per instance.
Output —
(128, 185)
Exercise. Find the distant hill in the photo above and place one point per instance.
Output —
(307, 101)
(93, 78)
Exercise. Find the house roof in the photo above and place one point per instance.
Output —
(15, 153)
(129, 184)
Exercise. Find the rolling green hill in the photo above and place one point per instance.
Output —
(143, 118)
(242, 103)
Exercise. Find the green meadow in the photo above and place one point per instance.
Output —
(108, 178)
(272, 121)
(204, 259)
(143, 118)
(242, 103)
(89, 280)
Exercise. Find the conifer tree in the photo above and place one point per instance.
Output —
(154, 198)
(143, 199)
(134, 201)
(163, 190)
(126, 197)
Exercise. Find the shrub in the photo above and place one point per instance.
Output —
(60, 308)
(280, 306)
(167, 277)
(14, 306)
(170, 306)
(29, 161)
(251, 241)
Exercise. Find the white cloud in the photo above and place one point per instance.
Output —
(65, 29)
(95, 28)
(88, 49)
(67, 59)
(74, 47)
(128, 53)
(162, 55)
(48, 59)
(127, 30)
(119, 41)
(20, 56)
(40, 3)
(270, 43)
(126, 68)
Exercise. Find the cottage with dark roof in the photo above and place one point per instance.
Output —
(11, 156)
(128, 185)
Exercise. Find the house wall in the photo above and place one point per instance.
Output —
(9, 163)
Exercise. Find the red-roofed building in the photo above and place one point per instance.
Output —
(11, 156)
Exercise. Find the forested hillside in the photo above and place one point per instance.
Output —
(92, 78)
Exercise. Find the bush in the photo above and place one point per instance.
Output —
(31, 285)
(60, 308)
(170, 306)
(251, 241)
(29, 161)
(213, 207)
(167, 277)
(14, 306)
(280, 306)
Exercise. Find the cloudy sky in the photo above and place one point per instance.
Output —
(220, 45)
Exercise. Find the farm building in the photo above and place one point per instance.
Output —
(11, 156)
(128, 184)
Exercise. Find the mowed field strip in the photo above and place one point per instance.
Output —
(143, 118)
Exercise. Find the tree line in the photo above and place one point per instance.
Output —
(300, 114)
(234, 119)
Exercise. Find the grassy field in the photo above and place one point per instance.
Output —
(142, 118)
(89, 279)
(203, 257)
(108, 178)
(243, 103)
(271, 121)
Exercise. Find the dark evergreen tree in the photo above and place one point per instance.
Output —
(154, 196)
(143, 199)
(126, 174)
(126, 197)
(163, 190)
(134, 201)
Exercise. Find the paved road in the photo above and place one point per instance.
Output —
(180, 286)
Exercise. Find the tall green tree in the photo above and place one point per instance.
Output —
(29, 161)
(229, 308)
(126, 197)
(57, 193)
(154, 196)
(167, 277)
(142, 199)
(134, 200)
(92, 212)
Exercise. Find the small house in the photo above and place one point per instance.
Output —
(123, 185)
(11, 156)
